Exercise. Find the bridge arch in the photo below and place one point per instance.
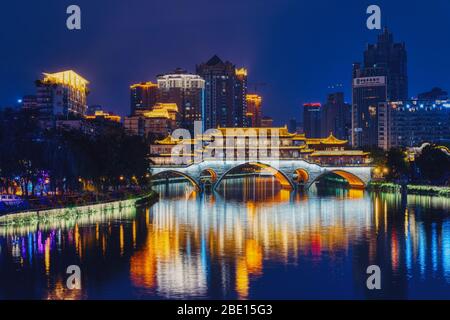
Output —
(175, 172)
(209, 173)
(301, 176)
(353, 180)
(279, 175)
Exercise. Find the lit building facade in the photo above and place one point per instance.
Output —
(61, 94)
(240, 99)
(410, 123)
(367, 92)
(143, 96)
(254, 115)
(187, 92)
(157, 123)
(225, 89)
(288, 146)
(382, 77)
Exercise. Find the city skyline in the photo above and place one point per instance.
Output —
(292, 74)
(227, 150)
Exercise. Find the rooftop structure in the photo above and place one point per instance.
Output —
(100, 114)
(262, 143)
(69, 78)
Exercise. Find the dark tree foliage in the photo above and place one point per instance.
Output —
(397, 164)
(68, 159)
(434, 165)
(377, 155)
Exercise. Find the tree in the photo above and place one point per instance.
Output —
(434, 165)
(397, 164)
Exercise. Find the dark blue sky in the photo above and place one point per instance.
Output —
(297, 47)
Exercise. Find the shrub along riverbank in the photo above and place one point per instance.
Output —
(411, 189)
(83, 209)
(76, 200)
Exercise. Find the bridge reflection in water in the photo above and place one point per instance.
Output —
(257, 222)
(251, 239)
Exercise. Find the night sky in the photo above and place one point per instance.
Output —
(298, 48)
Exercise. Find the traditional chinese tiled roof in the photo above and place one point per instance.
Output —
(330, 140)
(168, 141)
(333, 140)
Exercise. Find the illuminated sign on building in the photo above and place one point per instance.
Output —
(369, 81)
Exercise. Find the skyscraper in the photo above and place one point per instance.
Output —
(225, 93)
(312, 120)
(187, 92)
(143, 96)
(254, 115)
(61, 94)
(292, 126)
(336, 117)
(240, 98)
(383, 76)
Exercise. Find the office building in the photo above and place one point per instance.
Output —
(187, 92)
(61, 95)
(254, 116)
(292, 125)
(312, 119)
(409, 123)
(240, 98)
(382, 77)
(220, 97)
(336, 117)
(143, 96)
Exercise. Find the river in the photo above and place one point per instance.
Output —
(249, 240)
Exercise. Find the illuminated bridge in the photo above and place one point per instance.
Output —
(290, 173)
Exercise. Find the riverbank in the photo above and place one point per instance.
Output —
(411, 189)
(73, 212)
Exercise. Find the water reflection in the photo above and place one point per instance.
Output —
(251, 239)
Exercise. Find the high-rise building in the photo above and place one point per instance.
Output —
(29, 102)
(254, 116)
(336, 117)
(383, 76)
(292, 126)
(410, 123)
(220, 98)
(61, 94)
(312, 119)
(187, 92)
(240, 98)
(368, 92)
(143, 96)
